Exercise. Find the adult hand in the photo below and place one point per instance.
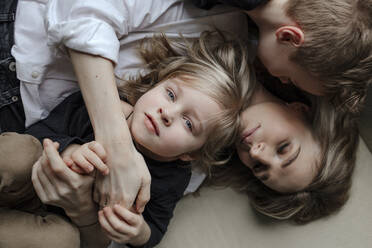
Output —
(129, 178)
(57, 185)
(128, 175)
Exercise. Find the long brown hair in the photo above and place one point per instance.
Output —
(337, 134)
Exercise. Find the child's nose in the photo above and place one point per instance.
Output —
(165, 117)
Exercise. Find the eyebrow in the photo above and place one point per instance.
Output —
(198, 124)
(291, 159)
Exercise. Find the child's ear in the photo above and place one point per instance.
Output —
(290, 34)
(186, 157)
(300, 108)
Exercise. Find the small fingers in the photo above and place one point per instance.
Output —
(81, 161)
(106, 226)
(98, 149)
(125, 214)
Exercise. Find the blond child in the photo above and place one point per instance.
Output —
(185, 109)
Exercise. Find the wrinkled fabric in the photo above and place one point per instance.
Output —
(24, 221)
(12, 116)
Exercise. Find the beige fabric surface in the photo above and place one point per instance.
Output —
(223, 218)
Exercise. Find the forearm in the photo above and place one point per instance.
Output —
(97, 82)
(91, 234)
(93, 237)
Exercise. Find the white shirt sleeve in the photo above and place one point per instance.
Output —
(90, 26)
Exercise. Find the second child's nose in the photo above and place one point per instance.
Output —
(166, 119)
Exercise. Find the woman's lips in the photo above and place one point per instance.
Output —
(247, 134)
(151, 124)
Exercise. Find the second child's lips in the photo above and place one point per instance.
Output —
(151, 124)
(247, 134)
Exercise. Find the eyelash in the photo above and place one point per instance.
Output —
(282, 147)
(171, 95)
(188, 124)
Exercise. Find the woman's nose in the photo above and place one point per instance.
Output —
(258, 152)
(165, 117)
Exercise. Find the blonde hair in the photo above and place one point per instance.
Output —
(219, 64)
(337, 48)
(337, 134)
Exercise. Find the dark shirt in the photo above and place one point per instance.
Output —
(69, 124)
(242, 4)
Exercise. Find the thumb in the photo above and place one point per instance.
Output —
(143, 197)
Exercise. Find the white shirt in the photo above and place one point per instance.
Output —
(108, 28)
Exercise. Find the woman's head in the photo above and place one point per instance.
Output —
(277, 144)
(319, 194)
(210, 68)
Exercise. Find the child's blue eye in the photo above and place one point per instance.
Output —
(171, 95)
(189, 124)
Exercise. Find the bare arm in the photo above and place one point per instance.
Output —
(128, 175)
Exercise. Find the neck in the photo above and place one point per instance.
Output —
(146, 152)
(271, 15)
(261, 95)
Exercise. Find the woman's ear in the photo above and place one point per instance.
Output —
(299, 107)
(187, 157)
(290, 34)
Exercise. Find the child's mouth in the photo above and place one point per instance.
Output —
(151, 124)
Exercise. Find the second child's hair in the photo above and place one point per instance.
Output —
(219, 66)
(337, 134)
(338, 46)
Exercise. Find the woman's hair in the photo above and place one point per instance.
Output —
(337, 134)
(338, 46)
(220, 66)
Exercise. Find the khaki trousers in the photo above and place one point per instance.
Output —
(24, 221)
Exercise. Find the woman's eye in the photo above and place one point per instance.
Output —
(188, 124)
(283, 148)
(171, 95)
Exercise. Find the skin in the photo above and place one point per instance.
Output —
(168, 122)
(181, 116)
(280, 37)
(276, 144)
(129, 181)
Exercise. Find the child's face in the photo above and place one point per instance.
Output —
(277, 62)
(171, 120)
(278, 147)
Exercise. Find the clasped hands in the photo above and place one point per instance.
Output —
(68, 183)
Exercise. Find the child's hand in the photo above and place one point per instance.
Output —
(84, 158)
(123, 226)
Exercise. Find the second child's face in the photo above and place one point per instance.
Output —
(278, 147)
(172, 120)
(277, 62)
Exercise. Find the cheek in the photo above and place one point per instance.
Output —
(244, 157)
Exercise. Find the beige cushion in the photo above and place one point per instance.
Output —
(223, 218)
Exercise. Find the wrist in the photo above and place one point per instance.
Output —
(84, 217)
(143, 236)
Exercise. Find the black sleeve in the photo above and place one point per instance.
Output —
(242, 4)
(67, 124)
(166, 191)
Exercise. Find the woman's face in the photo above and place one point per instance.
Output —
(277, 145)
